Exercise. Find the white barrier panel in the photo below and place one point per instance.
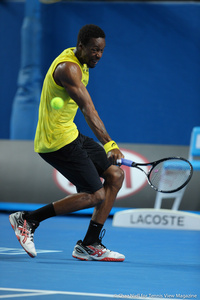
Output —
(41, 183)
(157, 219)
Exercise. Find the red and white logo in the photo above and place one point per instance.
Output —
(134, 181)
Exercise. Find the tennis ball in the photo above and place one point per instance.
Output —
(57, 103)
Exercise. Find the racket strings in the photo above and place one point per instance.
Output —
(170, 175)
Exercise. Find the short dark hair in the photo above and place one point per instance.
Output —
(89, 31)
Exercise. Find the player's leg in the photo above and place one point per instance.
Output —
(91, 247)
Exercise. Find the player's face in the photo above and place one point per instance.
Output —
(92, 52)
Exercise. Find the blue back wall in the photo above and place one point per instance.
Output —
(146, 87)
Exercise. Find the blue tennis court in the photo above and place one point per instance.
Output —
(159, 263)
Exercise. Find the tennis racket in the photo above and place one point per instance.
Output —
(166, 175)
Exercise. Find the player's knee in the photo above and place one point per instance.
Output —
(115, 176)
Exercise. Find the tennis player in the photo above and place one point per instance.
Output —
(77, 157)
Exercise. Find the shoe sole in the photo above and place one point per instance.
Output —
(18, 238)
(103, 259)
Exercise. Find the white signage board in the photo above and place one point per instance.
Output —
(157, 219)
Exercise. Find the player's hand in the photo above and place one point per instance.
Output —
(114, 155)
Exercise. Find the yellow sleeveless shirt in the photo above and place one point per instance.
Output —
(56, 128)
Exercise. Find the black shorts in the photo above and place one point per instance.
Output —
(82, 162)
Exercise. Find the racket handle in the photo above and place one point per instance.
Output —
(125, 162)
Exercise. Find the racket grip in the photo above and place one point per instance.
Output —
(125, 162)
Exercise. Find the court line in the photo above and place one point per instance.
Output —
(17, 251)
(24, 295)
(49, 292)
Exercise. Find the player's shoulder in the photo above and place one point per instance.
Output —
(67, 71)
(68, 67)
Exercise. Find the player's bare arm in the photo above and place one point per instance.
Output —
(69, 75)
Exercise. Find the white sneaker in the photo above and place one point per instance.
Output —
(24, 231)
(96, 251)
